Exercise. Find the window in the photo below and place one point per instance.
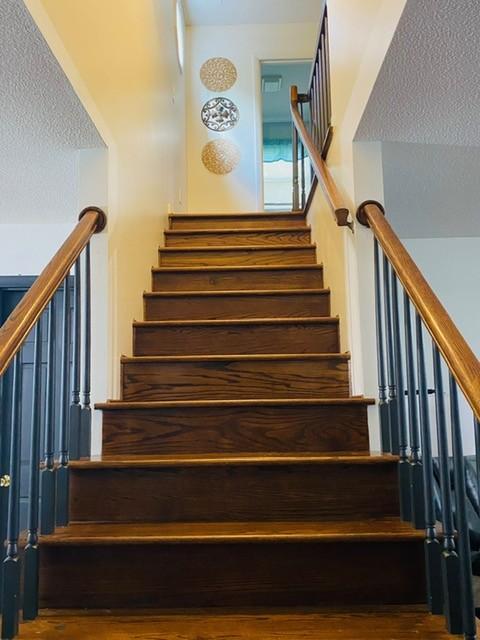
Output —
(180, 27)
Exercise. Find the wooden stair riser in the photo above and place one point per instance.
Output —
(240, 238)
(264, 221)
(235, 492)
(244, 305)
(237, 279)
(234, 379)
(231, 338)
(220, 429)
(198, 257)
(231, 575)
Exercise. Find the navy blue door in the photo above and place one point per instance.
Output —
(12, 289)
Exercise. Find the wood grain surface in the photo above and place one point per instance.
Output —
(204, 337)
(235, 377)
(219, 237)
(236, 221)
(234, 278)
(202, 305)
(235, 427)
(385, 623)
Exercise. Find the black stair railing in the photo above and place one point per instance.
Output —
(49, 315)
(420, 353)
(453, 367)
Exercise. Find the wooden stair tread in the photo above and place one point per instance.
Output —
(238, 321)
(208, 459)
(241, 214)
(204, 231)
(234, 268)
(120, 405)
(235, 247)
(98, 533)
(245, 357)
(356, 623)
(237, 292)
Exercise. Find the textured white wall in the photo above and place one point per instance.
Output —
(428, 89)
(245, 46)
(42, 125)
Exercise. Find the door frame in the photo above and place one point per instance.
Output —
(260, 180)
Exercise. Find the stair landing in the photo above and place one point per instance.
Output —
(390, 623)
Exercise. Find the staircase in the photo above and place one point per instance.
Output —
(236, 496)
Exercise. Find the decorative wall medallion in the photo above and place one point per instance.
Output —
(220, 156)
(220, 114)
(218, 74)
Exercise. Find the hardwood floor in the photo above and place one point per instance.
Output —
(396, 623)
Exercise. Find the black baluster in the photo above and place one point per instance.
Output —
(313, 110)
(295, 183)
(432, 544)
(31, 557)
(417, 499)
(48, 473)
(4, 468)
(327, 62)
(323, 64)
(86, 415)
(392, 384)
(476, 429)
(75, 406)
(450, 560)
(303, 198)
(468, 605)
(63, 488)
(382, 375)
(11, 564)
(403, 465)
(318, 96)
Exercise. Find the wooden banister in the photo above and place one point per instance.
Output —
(320, 168)
(23, 318)
(458, 355)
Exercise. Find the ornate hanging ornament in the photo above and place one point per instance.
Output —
(218, 74)
(220, 114)
(220, 156)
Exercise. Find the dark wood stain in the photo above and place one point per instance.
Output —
(234, 378)
(234, 337)
(240, 221)
(224, 305)
(253, 255)
(235, 491)
(237, 428)
(235, 473)
(304, 573)
(220, 279)
(218, 237)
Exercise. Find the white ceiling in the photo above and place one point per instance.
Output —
(428, 90)
(42, 125)
(210, 12)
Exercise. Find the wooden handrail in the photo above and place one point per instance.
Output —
(458, 355)
(23, 318)
(320, 168)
